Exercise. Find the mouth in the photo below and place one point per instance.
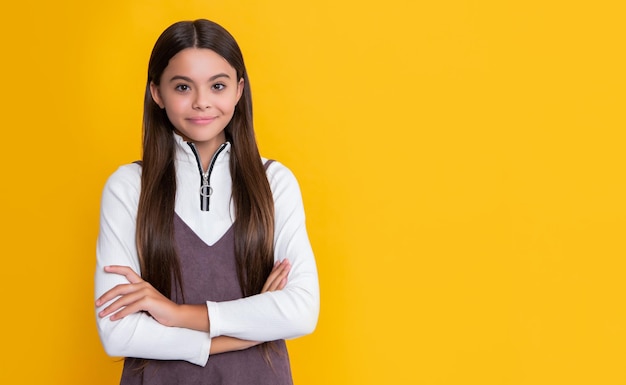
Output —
(202, 119)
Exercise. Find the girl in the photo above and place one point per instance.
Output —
(196, 242)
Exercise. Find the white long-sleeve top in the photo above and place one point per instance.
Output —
(283, 314)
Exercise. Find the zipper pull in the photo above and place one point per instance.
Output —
(205, 192)
(205, 187)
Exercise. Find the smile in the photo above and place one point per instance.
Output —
(202, 119)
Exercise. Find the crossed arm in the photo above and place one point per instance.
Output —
(140, 296)
(133, 318)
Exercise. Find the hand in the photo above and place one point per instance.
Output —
(277, 280)
(136, 296)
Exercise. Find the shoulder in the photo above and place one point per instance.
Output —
(282, 181)
(125, 181)
(278, 173)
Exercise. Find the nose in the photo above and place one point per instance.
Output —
(202, 100)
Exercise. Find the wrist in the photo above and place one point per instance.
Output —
(194, 317)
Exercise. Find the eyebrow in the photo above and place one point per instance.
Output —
(187, 79)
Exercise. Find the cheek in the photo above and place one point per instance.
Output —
(229, 104)
(175, 105)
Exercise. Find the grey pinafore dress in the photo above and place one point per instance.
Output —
(209, 274)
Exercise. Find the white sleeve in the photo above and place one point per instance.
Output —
(137, 335)
(287, 313)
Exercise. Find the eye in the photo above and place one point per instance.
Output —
(182, 88)
(218, 86)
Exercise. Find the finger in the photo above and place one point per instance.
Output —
(269, 279)
(278, 270)
(126, 311)
(135, 299)
(112, 293)
(275, 280)
(281, 280)
(278, 266)
(135, 307)
(121, 289)
(126, 271)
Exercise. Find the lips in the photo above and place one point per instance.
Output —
(201, 119)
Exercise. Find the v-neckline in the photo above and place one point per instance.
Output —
(186, 226)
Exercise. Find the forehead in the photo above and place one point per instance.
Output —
(198, 63)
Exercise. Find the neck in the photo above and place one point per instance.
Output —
(206, 149)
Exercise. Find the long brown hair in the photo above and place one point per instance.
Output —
(252, 197)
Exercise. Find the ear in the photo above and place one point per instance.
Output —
(240, 87)
(156, 95)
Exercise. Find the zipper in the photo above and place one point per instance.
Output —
(205, 177)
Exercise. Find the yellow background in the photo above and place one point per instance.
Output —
(461, 163)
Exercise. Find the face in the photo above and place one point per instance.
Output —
(199, 90)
